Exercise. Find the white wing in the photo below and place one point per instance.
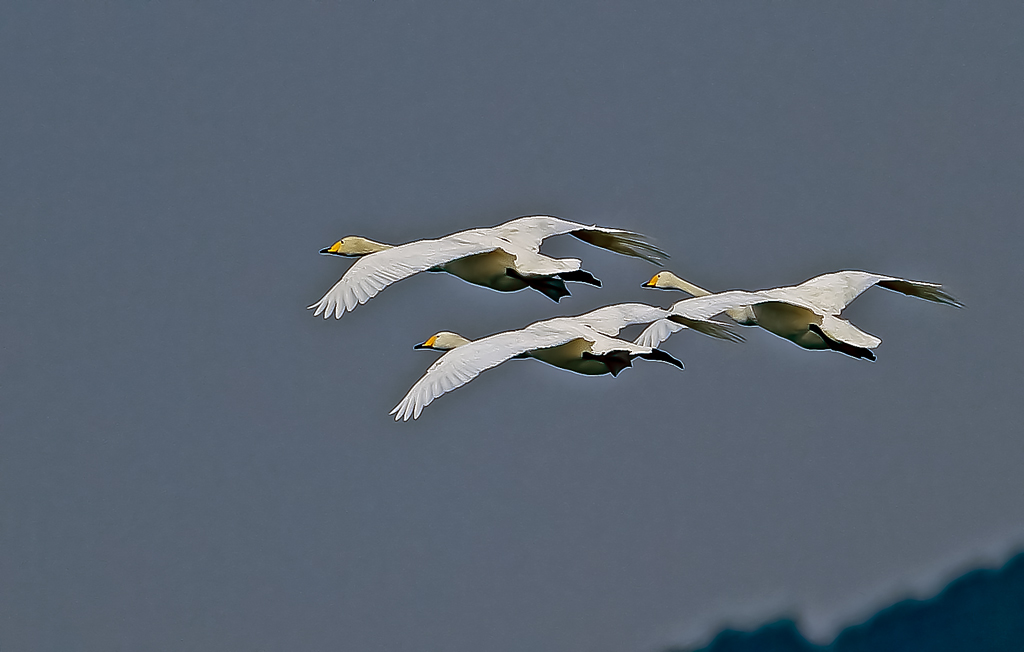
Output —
(696, 313)
(831, 293)
(658, 332)
(609, 320)
(529, 232)
(602, 344)
(712, 304)
(462, 364)
(612, 319)
(374, 272)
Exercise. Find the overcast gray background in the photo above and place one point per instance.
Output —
(191, 461)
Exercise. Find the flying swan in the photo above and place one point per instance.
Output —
(805, 314)
(586, 344)
(505, 258)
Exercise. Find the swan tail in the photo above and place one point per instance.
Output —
(841, 330)
(842, 347)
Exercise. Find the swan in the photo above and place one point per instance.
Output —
(505, 258)
(585, 344)
(805, 314)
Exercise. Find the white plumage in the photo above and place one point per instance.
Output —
(806, 314)
(585, 344)
(505, 258)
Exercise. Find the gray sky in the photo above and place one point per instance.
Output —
(191, 461)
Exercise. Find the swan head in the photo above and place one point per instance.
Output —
(662, 281)
(443, 341)
(353, 246)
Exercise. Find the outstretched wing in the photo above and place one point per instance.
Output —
(612, 319)
(529, 232)
(696, 313)
(658, 332)
(712, 304)
(462, 364)
(831, 293)
(920, 289)
(374, 272)
(609, 320)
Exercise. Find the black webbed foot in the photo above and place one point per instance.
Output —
(550, 286)
(580, 276)
(662, 356)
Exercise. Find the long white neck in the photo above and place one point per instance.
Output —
(673, 281)
(743, 315)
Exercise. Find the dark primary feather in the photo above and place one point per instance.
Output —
(624, 242)
(926, 291)
(709, 327)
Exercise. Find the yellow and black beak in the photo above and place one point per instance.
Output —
(653, 283)
(429, 344)
(333, 249)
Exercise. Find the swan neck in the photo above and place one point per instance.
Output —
(370, 247)
(680, 284)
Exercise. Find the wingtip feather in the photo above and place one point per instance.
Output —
(627, 243)
(710, 327)
(933, 292)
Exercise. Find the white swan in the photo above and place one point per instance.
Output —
(805, 314)
(585, 344)
(505, 258)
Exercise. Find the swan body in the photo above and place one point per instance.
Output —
(585, 344)
(505, 258)
(805, 314)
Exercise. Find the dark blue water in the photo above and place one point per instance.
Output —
(982, 611)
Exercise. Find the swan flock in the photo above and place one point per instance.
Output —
(507, 258)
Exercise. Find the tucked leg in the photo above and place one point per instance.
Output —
(550, 286)
(580, 276)
(616, 361)
(661, 356)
